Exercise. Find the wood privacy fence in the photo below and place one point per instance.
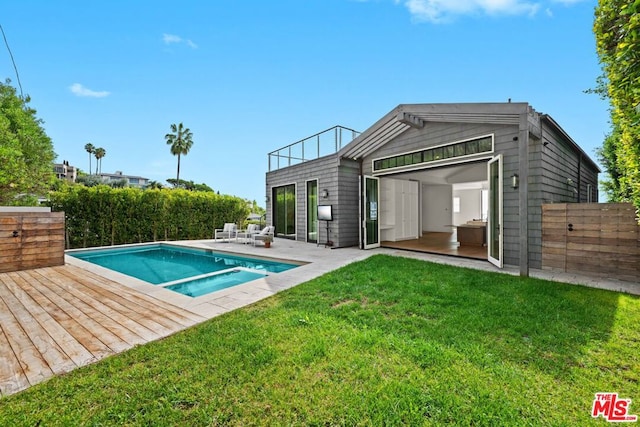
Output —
(31, 240)
(601, 239)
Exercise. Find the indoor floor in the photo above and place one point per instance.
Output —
(445, 243)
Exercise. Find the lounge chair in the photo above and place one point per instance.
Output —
(227, 233)
(245, 236)
(267, 233)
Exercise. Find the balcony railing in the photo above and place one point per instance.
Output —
(321, 144)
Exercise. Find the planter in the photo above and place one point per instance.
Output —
(267, 244)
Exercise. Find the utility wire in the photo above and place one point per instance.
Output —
(12, 61)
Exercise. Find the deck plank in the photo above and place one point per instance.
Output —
(179, 315)
(99, 325)
(12, 376)
(24, 309)
(142, 306)
(54, 319)
(85, 337)
(74, 350)
(31, 361)
(118, 318)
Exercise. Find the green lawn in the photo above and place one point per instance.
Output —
(386, 341)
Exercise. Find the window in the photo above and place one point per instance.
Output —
(456, 204)
(450, 151)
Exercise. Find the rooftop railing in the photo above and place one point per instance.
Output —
(321, 144)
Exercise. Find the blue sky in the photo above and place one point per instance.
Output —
(248, 77)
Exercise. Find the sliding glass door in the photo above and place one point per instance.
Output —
(284, 211)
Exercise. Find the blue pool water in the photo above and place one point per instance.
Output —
(163, 265)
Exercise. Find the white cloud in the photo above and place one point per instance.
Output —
(445, 10)
(79, 90)
(172, 38)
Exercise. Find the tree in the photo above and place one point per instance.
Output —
(89, 148)
(180, 139)
(99, 153)
(617, 31)
(26, 152)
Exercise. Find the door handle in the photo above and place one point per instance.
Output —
(570, 227)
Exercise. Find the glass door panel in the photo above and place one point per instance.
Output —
(312, 211)
(371, 211)
(494, 226)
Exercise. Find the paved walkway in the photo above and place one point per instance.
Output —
(53, 320)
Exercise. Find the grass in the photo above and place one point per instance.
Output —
(385, 341)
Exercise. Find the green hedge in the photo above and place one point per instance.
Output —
(103, 216)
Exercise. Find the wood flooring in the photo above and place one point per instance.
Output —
(439, 243)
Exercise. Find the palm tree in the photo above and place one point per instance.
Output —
(90, 149)
(181, 141)
(99, 153)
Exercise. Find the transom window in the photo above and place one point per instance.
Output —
(457, 149)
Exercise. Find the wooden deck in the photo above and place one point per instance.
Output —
(439, 243)
(55, 319)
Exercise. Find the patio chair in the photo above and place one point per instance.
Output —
(267, 233)
(227, 233)
(245, 236)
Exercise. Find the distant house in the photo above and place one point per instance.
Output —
(131, 180)
(476, 174)
(65, 171)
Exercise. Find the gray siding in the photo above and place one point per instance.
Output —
(340, 179)
(348, 209)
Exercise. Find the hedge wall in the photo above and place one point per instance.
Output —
(103, 216)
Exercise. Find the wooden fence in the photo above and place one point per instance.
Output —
(601, 239)
(31, 240)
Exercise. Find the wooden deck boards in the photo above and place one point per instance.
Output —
(55, 319)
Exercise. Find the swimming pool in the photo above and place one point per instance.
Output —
(188, 271)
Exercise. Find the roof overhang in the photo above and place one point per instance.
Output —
(407, 116)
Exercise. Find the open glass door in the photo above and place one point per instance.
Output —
(371, 224)
(494, 225)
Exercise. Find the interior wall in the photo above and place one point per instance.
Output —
(437, 208)
(470, 206)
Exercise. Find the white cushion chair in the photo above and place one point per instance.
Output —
(245, 236)
(267, 233)
(227, 233)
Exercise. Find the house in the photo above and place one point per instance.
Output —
(131, 180)
(473, 176)
(65, 171)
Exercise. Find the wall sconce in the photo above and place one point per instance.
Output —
(325, 193)
(268, 198)
(515, 181)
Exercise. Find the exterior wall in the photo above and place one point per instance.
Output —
(340, 179)
(553, 161)
(30, 239)
(348, 209)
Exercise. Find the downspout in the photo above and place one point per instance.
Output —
(523, 191)
(579, 177)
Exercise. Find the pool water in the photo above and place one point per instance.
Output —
(192, 272)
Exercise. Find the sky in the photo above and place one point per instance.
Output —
(248, 77)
